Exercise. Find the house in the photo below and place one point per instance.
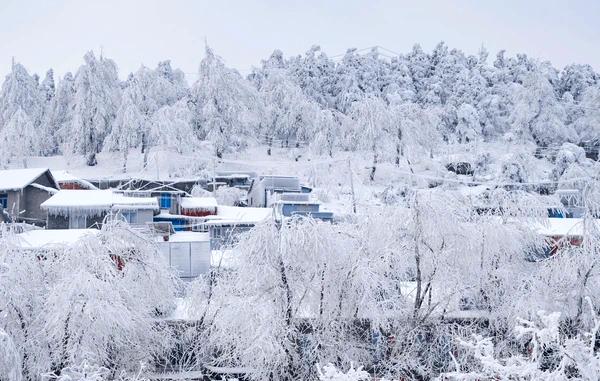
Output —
(80, 209)
(299, 204)
(191, 215)
(233, 179)
(167, 196)
(264, 188)
(22, 191)
(188, 253)
(231, 221)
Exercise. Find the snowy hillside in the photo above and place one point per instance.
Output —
(415, 103)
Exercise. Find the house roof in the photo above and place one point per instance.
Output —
(67, 200)
(63, 176)
(186, 237)
(234, 215)
(16, 179)
(48, 238)
(199, 203)
(569, 227)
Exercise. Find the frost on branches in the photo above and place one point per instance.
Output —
(96, 301)
(550, 354)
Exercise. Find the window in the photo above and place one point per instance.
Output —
(77, 221)
(4, 200)
(130, 216)
(165, 201)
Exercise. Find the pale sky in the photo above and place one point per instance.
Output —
(56, 34)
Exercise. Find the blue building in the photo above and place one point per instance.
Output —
(299, 204)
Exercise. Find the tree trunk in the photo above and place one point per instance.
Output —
(124, 169)
(270, 145)
(288, 317)
(418, 275)
(374, 167)
(399, 147)
(91, 159)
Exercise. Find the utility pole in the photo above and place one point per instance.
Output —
(352, 187)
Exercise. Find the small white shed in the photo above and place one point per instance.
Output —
(187, 252)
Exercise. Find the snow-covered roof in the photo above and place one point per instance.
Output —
(290, 183)
(44, 188)
(90, 201)
(48, 238)
(232, 176)
(563, 227)
(227, 215)
(199, 203)
(63, 176)
(187, 237)
(15, 179)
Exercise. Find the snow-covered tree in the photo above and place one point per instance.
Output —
(59, 112)
(537, 113)
(588, 125)
(373, 119)
(328, 131)
(95, 103)
(223, 105)
(290, 115)
(146, 92)
(109, 296)
(468, 128)
(20, 92)
(315, 73)
(18, 137)
(10, 363)
(171, 126)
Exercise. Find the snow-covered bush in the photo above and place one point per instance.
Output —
(550, 354)
(516, 168)
(567, 155)
(10, 361)
(229, 195)
(330, 373)
(86, 302)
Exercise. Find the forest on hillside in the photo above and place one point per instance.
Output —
(369, 101)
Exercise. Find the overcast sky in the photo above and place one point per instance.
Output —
(44, 34)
